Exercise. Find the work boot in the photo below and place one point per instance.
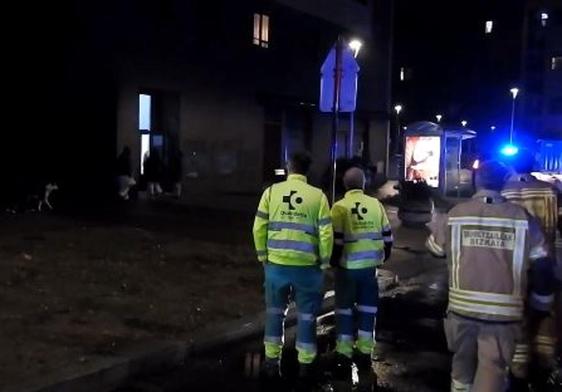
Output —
(518, 384)
(540, 378)
(307, 379)
(342, 368)
(367, 376)
(342, 373)
(271, 369)
(554, 381)
(270, 376)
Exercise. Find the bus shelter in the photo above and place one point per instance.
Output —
(434, 155)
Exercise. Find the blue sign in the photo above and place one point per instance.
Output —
(348, 85)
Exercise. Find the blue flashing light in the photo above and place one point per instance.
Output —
(509, 150)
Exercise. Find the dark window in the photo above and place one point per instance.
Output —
(556, 105)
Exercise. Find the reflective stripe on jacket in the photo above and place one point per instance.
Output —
(293, 224)
(539, 198)
(362, 227)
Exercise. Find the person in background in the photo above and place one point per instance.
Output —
(125, 179)
(176, 173)
(153, 173)
(537, 352)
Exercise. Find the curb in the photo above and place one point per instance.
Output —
(163, 356)
(170, 354)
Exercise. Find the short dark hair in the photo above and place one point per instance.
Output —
(299, 162)
(524, 161)
(491, 175)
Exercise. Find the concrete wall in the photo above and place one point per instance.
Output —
(353, 15)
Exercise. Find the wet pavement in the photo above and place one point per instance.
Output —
(411, 348)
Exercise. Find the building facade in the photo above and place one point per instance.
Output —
(542, 69)
(232, 85)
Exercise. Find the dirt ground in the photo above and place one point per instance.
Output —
(73, 291)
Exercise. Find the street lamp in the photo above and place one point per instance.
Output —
(514, 91)
(439, 117)
(464, 123)
(398, 108)
(355, 45)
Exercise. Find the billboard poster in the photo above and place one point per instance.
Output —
(422, 155)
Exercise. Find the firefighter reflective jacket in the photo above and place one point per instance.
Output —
(539, 198)
(362, 227)
(293, 224)
(490, 245)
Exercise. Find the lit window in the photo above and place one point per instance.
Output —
(556, 63)
(489, 26)
(261, 30)
(544, 18)
(402, 74)
(144, 112)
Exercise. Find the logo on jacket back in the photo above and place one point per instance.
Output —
(359, 211)
(288, 199)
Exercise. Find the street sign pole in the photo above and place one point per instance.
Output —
(335, 113)
(338, 94)
(351, 132)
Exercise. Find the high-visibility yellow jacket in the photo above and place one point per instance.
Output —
(491, 245)
(293, 224)
(362, 228)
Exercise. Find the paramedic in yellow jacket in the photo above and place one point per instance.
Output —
(363, 241)
(492, 247)
(293, 237)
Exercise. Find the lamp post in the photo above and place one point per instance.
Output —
(355, 45)
(514, 91)
(439, 117)
(464, 123)
(398, 108)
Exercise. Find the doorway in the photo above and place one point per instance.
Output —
(159, 128)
